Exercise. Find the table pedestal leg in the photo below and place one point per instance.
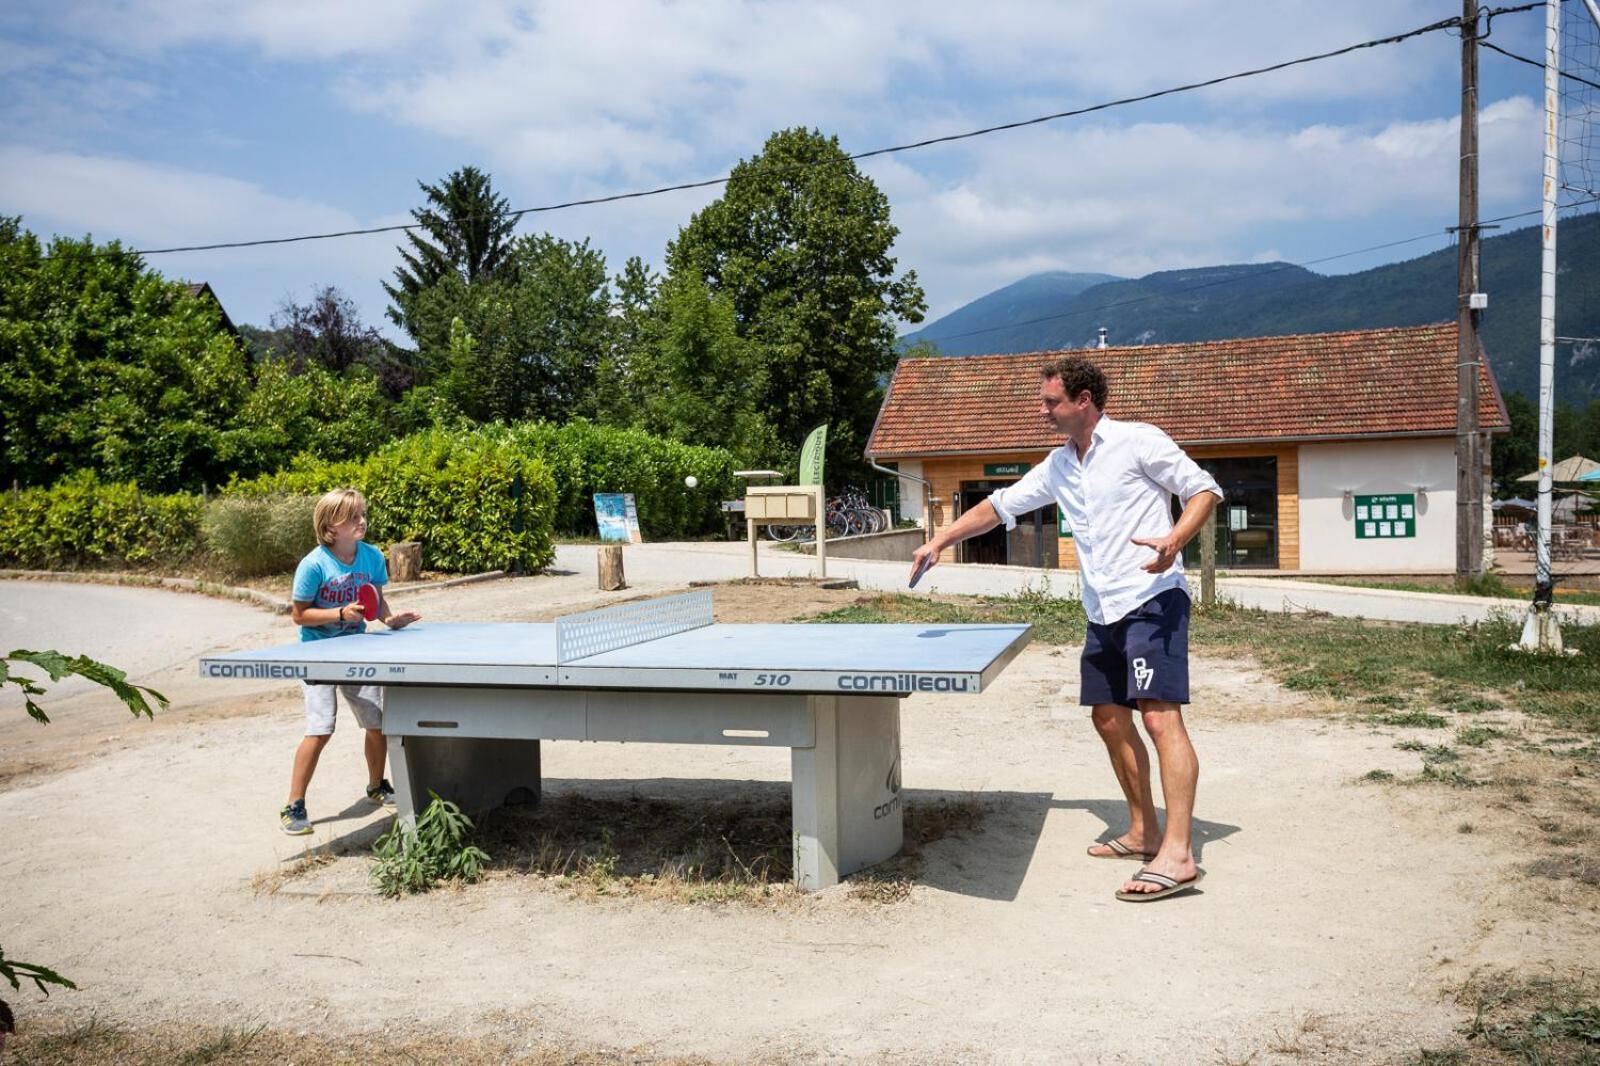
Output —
(847, 810)
(475, 774)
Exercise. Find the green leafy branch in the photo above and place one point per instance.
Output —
(57, 665)
(415, 859)
(18, 972)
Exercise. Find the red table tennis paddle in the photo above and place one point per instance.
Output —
(367, 596)
(922, 568)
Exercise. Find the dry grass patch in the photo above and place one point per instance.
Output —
(268, 882)
(701, 851)
(1312, 1034)
(1519, 1019)
(58, 1040)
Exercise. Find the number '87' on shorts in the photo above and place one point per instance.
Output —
(1142, 656)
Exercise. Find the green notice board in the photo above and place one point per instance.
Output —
(1004, 469)
(1386, 517)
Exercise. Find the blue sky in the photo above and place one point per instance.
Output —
(166, 122)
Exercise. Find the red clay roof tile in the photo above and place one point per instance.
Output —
(1360, 383)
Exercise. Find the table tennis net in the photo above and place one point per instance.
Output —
(579, 636)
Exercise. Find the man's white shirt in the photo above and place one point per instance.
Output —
(1122, 488)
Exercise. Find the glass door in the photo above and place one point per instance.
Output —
(1247, 518)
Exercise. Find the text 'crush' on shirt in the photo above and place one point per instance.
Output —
(1122, 488)
(322, 580)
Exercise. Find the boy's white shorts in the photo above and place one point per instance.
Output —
(366, 703)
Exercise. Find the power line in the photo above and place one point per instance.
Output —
(1536, 63)
(1434, 27)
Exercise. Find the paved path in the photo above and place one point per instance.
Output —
(153, 629)
(650, 566)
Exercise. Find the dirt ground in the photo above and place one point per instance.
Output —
(144, 860)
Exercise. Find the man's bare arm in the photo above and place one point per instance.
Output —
(980, 519)
(1195, 514)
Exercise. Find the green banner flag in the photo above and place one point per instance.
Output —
(811, 454)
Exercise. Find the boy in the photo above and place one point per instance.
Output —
(326, 603)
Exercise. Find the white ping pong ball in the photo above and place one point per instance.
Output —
(691, 481)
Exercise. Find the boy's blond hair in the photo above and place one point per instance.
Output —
(334, 507)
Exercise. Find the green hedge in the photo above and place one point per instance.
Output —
(474, 504)
(478, 499)
(81, 521)
(586, 459)
(580, 457)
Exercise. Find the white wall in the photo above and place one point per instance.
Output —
(1327, 518)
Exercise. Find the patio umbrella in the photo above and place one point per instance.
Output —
(1572, 468)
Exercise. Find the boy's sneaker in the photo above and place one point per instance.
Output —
(382, 793)
(295, 820)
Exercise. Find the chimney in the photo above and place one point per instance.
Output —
(1102, 343)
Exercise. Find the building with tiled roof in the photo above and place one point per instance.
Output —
(1336, 450)
(203, 290)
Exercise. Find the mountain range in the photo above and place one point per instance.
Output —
(1056, 310)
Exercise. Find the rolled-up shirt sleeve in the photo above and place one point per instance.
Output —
(1024, 496)
(1168, 466)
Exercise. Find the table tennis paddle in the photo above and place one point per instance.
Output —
(922, 568)
(367, 596)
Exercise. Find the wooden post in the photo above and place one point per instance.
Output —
(750, 527)
(1208, 560)
(1469, 467)
(611, 577)
(405, 561)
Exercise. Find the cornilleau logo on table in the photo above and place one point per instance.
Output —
(269, 670)
(902, 683)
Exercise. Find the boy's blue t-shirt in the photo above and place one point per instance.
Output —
(323, 581)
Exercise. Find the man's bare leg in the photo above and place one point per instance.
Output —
(1130, 761)
(1180, 771)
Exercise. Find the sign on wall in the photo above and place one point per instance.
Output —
(1386, 517)
(1004, 469)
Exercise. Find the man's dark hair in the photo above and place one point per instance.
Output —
(1077, 374)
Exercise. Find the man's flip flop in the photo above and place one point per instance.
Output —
(1119, 850)
(1169, 887)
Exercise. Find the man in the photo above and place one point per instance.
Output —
(1114, 481)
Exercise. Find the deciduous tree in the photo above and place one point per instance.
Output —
(800, 244)
(107, 366)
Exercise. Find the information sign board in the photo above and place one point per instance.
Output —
(1386, 517)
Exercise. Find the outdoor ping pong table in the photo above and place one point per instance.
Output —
(467, 704)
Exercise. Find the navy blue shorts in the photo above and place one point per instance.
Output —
(1142, 656)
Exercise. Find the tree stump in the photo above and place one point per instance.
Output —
(611, 578)
(405, 562)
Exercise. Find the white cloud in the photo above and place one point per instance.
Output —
(1129, 200)
(568, 99)
(628, 86)
(147, 206)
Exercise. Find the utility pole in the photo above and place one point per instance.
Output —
(1469, 459)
